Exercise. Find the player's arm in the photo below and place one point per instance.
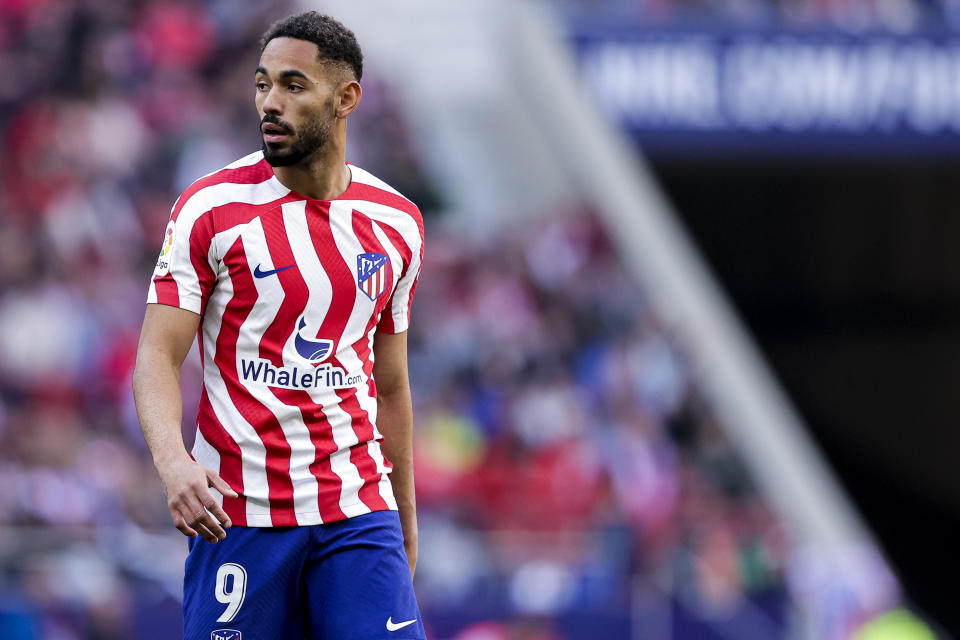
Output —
(395, 422)
(165, 339)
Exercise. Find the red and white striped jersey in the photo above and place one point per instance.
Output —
(291, 291)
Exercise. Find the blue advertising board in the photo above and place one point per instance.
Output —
(777, 92)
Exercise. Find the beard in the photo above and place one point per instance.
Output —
(312, 137)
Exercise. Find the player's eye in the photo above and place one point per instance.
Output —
(295, 88)
(261, 86)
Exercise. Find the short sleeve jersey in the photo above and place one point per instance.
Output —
(291, 291)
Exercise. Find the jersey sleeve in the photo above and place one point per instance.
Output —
(185, 271)
(396, 315)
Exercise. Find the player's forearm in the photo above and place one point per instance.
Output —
(156, 393)
(395, 422)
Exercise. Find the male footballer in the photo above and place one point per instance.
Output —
(295, 271)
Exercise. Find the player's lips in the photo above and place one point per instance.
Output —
(273, 133)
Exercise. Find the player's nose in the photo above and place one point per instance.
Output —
(273, 101)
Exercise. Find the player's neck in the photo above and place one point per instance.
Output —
(324, 177)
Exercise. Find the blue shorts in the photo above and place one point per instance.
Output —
(346, 580)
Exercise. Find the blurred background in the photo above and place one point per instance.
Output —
(683, 346)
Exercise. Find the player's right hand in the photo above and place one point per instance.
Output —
(193, 508)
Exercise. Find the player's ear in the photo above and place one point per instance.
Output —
(349, 97)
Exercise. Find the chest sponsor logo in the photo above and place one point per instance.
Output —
(313, 374)
(312, 350)
(225, 634)
(373, 274)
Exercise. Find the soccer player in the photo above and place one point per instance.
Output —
(295, 270)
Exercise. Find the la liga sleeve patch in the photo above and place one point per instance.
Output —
(163, 262)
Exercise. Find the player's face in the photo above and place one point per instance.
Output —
(295, 100)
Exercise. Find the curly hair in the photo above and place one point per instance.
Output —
(334, 41)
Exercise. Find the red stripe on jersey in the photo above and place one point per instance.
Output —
(231, 466)
(406, 254)
(413, 289)
(343, 285)
(167, 292)
(237, 213)
(280, 486)
(360, 191)
(210, 223)
(201, 236)
(382, 196)
(294, 288)
(251, 174)
(363, 228)
(296, 293)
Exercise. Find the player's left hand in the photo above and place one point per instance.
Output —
(192, 507)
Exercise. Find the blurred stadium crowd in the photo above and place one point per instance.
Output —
(564, 461)
(569, 474)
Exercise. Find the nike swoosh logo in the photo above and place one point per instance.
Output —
(399, 625)
(263, 274)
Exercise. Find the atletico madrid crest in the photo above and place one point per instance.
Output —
(373, 274)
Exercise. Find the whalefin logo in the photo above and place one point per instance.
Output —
(225, 634)
(317, 375)
(373, 274)
(311, 349)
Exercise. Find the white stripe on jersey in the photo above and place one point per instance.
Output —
(341, 218)
(204, 453)
(391, 250)
(365, 177)
(320, 298)
(253, 455)
(302, 450)
(382, 214)
(376, 452)
(245, 161)
(217, 195)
